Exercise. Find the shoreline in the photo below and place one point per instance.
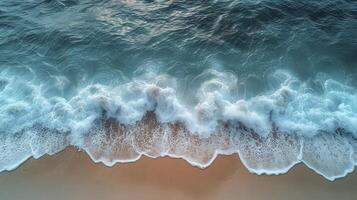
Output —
(71, 174)
(145, 156)
(111, 142)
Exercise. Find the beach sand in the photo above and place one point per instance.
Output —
(71, 174)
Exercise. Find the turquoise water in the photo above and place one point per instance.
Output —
(274, 81)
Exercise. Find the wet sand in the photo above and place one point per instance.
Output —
(72, 175)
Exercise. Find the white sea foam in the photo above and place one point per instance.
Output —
(271, 132)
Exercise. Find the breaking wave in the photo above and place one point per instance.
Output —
(146, 116)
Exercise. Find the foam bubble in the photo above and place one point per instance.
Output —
(329, 155)
(273, 154)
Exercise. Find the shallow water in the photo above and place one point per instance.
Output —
(274, 81)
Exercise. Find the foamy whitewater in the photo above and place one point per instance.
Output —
(272, 81)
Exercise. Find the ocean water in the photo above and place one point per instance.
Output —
(270, 80)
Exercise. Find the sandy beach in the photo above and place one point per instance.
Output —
(71, 174)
